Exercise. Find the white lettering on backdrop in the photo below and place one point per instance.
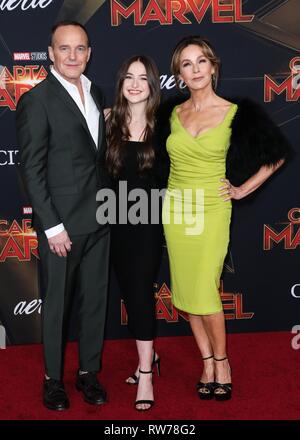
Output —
(10, 5)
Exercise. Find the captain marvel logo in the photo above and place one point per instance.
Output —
(287, 234)
(289, 86)
(183, 11)
(17, 240)
(18, 80)
(232, 304)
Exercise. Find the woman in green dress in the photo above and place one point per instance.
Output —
(197, 206)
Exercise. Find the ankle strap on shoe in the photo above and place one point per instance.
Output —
(208, 357)
(218, 360)
(145, 372)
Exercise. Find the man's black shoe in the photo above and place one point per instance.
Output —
(92, 390)
(55, 396)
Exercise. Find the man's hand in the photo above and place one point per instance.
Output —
(60, 244)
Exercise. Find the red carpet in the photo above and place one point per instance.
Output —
(265, 378)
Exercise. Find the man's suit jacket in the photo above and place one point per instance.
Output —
(60, 163)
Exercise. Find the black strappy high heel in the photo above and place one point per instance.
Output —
(225, 387)
(155, 363)
(146, 402)
(206, 389)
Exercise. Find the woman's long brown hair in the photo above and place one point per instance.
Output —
(117, 123)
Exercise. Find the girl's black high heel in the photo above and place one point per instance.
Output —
(134, 379)
(145, 402)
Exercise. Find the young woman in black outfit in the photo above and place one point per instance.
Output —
(133, 160)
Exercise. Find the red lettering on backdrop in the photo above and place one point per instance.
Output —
(164, 11)
(22, 79)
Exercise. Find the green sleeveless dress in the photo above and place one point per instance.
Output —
(196, 219)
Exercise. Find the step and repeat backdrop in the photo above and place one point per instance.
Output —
(258, 43)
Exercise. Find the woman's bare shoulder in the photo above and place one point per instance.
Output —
(222, 102)
(183, 106)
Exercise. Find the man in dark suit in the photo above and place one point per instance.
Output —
(60, 129)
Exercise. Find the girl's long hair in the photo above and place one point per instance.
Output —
(119, 117)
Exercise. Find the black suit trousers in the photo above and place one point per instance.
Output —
(84, 272)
